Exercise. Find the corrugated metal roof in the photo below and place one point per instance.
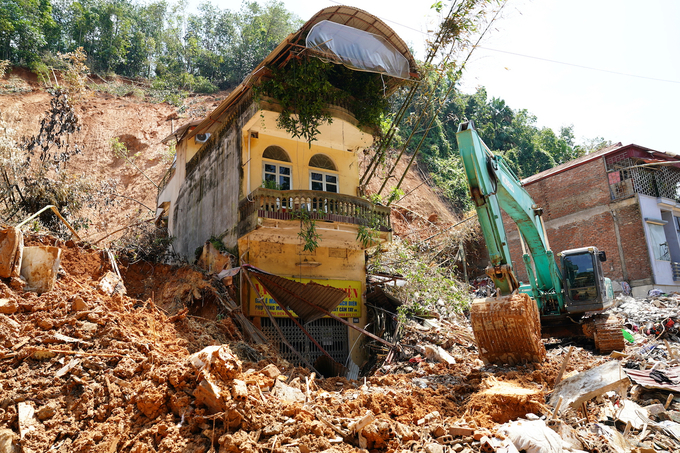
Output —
(642, 377)
(298, 296)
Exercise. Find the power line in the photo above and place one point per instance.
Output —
(575, 65)
(578, 65)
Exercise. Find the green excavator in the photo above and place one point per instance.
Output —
(555, 302)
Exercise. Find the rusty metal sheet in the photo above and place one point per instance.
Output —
(11, 251)
(292, 294)
(642, 377)
(507, 329)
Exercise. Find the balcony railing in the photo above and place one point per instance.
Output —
(333, 207)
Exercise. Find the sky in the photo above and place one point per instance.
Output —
(610, 68)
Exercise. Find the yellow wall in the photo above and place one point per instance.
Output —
(283, 260)
(300, 153)
(192, 148)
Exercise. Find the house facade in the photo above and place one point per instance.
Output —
(280, 203)
(624, 200)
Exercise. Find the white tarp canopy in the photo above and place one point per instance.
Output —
(357, 49)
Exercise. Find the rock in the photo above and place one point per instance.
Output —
(9, 441)
(8, 306)
(377, 434)
(9, 331)
(208, 394)
(78, 304)
(432, 447)
(288, 393)
(47, 411)
(271, 371)
(111, 284)
(217, 361)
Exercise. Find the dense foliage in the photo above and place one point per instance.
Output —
(204, 49)
(528, 148)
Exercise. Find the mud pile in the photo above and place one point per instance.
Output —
(165, 369)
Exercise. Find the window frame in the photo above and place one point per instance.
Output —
(278, 174)
(323, 174)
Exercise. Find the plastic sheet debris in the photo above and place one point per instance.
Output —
(532, 436)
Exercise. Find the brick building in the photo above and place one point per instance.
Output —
(624, 200)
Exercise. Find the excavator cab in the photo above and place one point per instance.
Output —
(585, 286)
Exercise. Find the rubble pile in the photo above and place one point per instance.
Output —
(88, 367)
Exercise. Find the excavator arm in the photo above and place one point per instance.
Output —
(493, 184)
(507, 327)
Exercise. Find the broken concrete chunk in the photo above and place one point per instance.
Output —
(111, 284)
(589, 384)
(288, 393)
(27, 420)
(439, 354)
(270, 370)
(11, 251)
(39, 267)
(8, 306)
(208, 394)
(9, 441)
(217, 360)
(432, 447)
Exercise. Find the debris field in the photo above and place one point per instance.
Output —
(164, 365)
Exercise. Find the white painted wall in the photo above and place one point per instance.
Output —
(661, 270)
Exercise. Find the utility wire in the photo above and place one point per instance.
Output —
(548, 60)
(578, 65)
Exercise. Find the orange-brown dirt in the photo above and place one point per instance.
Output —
(115, 375)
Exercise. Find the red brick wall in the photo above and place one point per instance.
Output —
(583, 194)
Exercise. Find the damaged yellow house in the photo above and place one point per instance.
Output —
(266, 194)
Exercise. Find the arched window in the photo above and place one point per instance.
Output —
(276, 153)
(323, 180)
(276, 176)
(322, 161)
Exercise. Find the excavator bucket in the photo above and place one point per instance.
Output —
(507, 329)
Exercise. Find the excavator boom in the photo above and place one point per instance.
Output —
(507, 327)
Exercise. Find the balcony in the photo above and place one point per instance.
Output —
(280, 209)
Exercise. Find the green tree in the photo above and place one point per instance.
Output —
(24, 28)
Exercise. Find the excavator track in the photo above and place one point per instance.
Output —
(507, 329)
(605, 330)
